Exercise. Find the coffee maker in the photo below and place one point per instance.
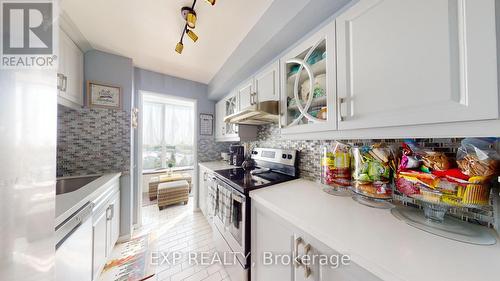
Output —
(236, 155)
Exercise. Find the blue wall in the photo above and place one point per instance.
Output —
(145, 80)
(108, 68)
(117, 70)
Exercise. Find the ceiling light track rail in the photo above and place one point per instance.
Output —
(190, 17)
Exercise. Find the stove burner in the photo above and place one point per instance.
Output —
(244, 181)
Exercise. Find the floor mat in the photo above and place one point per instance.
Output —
(131, 260)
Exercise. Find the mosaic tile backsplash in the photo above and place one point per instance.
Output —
(209, 150)
(310, 150)
(92, 141)
(310, 153)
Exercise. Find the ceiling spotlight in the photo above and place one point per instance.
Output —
(179, 47)
(189, 15)
(192, 35)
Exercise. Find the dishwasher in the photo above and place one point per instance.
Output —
(74, 246)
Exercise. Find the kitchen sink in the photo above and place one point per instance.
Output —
(65, 185)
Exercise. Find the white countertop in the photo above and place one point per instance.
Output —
(68, 203)
(217, 165)
(375, 240)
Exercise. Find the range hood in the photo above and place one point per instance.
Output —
(258, 114)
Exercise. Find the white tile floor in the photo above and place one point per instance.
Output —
(183, 230)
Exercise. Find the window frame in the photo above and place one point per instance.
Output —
(165, 100)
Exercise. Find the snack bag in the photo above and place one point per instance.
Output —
(372, 170)
(435, 161)
(427, 160)
(414, 169)
(410, 158)
(336, 165)
(476, 157)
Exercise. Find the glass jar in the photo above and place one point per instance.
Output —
(372, 173)
(336, 168)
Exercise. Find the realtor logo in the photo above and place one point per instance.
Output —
(28, 34)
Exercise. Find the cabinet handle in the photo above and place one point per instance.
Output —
(59, 81)
(307, 268)
(252, 98)
(342, 103)
(64, 85)
(110, 212)
(297, 262)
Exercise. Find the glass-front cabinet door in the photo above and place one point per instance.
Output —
(231, 107)
(308, 92)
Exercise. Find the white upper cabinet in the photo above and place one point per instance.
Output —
(267, 83)
(220, 126)
(228, 131)
(308, 93)
(70, 72)
(409, 62)
(231, 106)
(246, 93)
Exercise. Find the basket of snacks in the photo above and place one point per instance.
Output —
(336, 169)
(433, 181)
(372, 171)
(430, 178)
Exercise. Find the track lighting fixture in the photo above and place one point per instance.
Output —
(192, 35)
(179, 47)
(189, 16)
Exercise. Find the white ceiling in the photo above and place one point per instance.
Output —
(148, 30)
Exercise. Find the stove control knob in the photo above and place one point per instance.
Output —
(289, 156)
(283, 156)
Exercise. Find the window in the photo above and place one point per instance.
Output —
(168, 133)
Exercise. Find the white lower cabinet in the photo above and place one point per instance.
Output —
(99, 244)
(273, 240)
(202, 189)
(269, 235)
(105, 228)
(114, 221)
(206, 178)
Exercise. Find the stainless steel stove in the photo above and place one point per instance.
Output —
(232, 211)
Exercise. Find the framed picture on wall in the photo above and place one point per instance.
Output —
(206, 124)
(100, 95)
